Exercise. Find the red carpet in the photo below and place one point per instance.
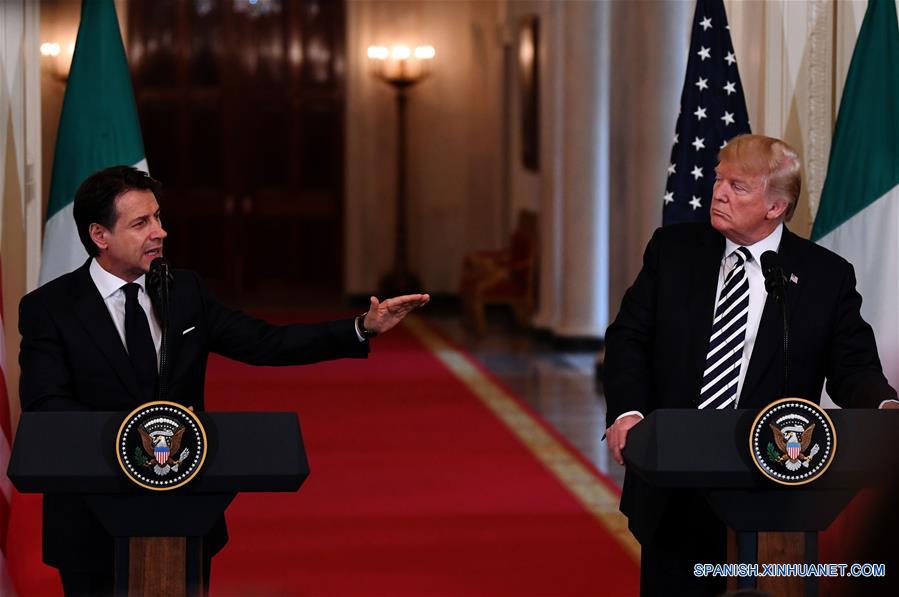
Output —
(416, 489)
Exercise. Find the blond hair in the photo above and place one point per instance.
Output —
(772, 159)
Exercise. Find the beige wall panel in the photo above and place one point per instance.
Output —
(746, 19)
(454, 174)
(799, 91)
(19, 170)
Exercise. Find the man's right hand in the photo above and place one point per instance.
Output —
(616, 435)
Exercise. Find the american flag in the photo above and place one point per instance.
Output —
(712, 111)
(6, 492)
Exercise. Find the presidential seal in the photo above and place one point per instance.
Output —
(792, 441)
(161, 445)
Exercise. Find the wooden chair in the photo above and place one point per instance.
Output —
(507, 276)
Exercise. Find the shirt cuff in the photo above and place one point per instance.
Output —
(630, 412)
(885, 401)
(358, 331)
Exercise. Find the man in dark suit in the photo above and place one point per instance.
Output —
(91, 339)
(698, 330)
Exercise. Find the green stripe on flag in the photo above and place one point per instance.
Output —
(99, 127)
(864, 155)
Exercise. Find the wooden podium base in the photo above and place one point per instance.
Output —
(774, 548)
(159, 566)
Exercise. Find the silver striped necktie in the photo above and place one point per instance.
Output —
(722, 361)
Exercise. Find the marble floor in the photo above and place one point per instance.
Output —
(560, 386)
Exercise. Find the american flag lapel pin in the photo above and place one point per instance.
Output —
(794, 279)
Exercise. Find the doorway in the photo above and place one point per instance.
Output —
(242, 111)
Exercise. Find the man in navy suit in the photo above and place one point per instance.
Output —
(91, 340)
(698, 330)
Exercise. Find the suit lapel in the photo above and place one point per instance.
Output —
(91, 311)
(769, 339)
(706, 267)
(792, 264)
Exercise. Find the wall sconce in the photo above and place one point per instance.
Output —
(58, 58)
(401, 67)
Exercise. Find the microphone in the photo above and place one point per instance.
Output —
(159, 282)
(776, 285)
(775, 281)
(159, 271)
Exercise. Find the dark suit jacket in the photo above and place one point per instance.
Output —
(72, 358)
(656, 347)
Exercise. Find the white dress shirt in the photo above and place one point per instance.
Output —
(110, 287)
(757, 293)
(757, 296)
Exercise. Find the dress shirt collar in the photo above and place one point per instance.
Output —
(769, 243)
(108, 283)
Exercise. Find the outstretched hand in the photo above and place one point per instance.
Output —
(382, 316)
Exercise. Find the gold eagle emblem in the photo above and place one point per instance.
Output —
(151, 442)
(782, 438)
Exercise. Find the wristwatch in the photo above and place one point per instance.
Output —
(360, 325)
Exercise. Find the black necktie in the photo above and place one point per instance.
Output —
(141, 349)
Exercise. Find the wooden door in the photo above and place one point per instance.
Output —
(241, 107)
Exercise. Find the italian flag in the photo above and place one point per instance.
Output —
(858, 216)
(98, 128)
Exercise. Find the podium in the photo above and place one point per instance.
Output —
(157, 555)
(708, 451)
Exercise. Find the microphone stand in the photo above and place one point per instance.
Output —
(162, 278)
(776, 285)
(162, 387)
(783, 310)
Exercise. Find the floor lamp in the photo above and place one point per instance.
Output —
(402, 68)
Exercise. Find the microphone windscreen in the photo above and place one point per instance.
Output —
(770, 261)
(157, 264)
(160, 274)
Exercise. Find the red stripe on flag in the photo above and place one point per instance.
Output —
(4, 521)
(4, 397)
(5, 487)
